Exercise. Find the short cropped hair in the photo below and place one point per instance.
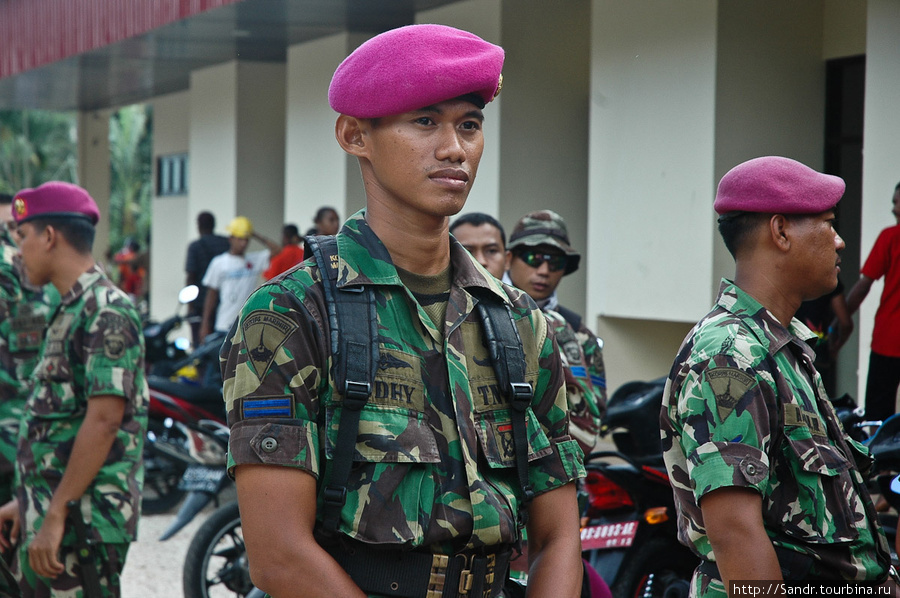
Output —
(206, 221)
(290, 231)
(735, 227)
(477, 219)
(78, 232)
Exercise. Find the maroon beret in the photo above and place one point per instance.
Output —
(412, 67)
(55, 199)
(777, 185)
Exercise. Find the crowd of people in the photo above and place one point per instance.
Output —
(410, 401)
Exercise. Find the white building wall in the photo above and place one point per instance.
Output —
(881, 167)
(173, 228)
(315, 166)
(652, 117)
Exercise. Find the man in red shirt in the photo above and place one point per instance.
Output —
(290, 255)
(884, 360)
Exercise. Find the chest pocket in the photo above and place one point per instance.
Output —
(392, 426)
(819, 512)
(54, 396)
(493, 413)
(27, 330)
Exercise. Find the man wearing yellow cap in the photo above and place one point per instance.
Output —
(444, 468)
(232, 276)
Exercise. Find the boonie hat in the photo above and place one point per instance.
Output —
(57, 199)
(415, 66)
(772, 184)
(544, 227)
(240, 227)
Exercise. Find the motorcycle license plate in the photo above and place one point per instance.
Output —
(608, 535)
(201, 478)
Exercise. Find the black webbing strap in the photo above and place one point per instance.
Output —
(354, 353)
(508, 359)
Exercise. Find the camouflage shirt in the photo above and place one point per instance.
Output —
(744, 407)
(93, 347)
(435, 467)
(582, 358)
(24, 313)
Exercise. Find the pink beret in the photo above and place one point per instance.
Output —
(412, 67)
(777, 185)
(55, 199)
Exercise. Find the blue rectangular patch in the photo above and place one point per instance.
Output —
(598, 381)
(579, 371)
(268, 407)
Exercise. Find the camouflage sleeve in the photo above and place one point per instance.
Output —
(114, 352)
(593, 356)
(550, 406)
(272, 368)
(9, 293)
(723, 410)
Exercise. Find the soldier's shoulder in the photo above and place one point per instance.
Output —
(300, 285)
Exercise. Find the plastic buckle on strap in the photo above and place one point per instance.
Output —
(522, 393)
(335, 496)
(356, 394)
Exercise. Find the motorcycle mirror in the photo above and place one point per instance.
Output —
(895, 485)
(188, 293)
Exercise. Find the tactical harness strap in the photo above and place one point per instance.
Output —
(354, 350)
(351, 318)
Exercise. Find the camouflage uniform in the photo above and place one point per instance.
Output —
(24, 313)
(93, 347)
(10, 404)
(582, 358)
(744, 407)
(434, 471)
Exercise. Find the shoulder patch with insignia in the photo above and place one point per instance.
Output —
(729, 385)
(264, 332)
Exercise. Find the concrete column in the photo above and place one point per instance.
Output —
(880, 168)
(173, 226)
(316, 168)
(237, 144)
(93, 169)
(545, 124)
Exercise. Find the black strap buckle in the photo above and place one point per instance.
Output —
(335, 495)
(522, 394)
(356, 394)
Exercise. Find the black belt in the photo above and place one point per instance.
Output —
(408, 574)
(794, 565)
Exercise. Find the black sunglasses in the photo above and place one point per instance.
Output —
(535, 258)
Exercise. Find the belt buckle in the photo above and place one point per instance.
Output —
(467, 577)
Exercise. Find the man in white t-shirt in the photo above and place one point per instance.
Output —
(231, 277)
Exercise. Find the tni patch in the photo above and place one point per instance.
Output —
(282, 407)
(264, 333)
(729, 385)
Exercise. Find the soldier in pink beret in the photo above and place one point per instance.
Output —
(768, 486)
(420, 482)
(79, 458)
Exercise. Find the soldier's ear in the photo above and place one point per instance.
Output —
(778, 231)
(350, 134)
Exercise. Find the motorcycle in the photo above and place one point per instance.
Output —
(160, 352)
(217, 558)
(884, 446)
(629, 534)
(182, 417)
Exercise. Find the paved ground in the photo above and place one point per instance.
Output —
(154, 569)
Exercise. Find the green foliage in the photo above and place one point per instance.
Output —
(37, 146)
(131, 175)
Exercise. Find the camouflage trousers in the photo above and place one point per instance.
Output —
(110, 562)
